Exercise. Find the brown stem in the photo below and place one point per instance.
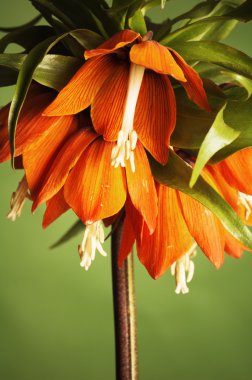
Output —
(124, 312)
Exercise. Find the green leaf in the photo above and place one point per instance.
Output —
(217, 53)
(238, 116)
(207, 21)
(176, 174)
(163, 4)
(27, 37)
(243, 12)
(137, 22)
(193, 124)
(78, 14)
(23, 26)
(197, 31)
(8, 77)
(23, 82)
(73, 231)
(220, 75)
(193, 121)
(54, 71)
(25, 76)
(219, 136)
(87, 38)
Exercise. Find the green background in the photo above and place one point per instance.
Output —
(56, 320)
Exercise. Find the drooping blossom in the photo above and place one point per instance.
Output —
(183, 223)
(125, 80)
(67, 165)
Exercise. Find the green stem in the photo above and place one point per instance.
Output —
(124, 312)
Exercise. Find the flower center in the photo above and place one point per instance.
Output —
(127, 137)
(18, 199)
(183, 270)
(93, 239)
(246, 201)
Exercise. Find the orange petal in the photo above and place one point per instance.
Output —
(141, 187)
(31, 124)
(55, 207)
(233, 247)
(155, 115)
(171, 238)
(193, 85)
(237, 170)
(4, 138)
(39, 156)
(132, 230)
(108, 106)
(204, 226)
(127, 241)
(63, 163)
(156, 57)
(94, 189)
(229, 193)
(82, 88)
(122, 38)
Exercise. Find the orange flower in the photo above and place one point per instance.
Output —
(234, 177)
(125, 81)
(182, 224)
(67, 165)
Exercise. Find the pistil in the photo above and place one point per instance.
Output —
(127, 137)
(18, 199)
(183, 270)
(93, 239)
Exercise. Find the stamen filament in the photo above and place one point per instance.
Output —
(93, 239)
(18, 199)
(184, 266)
(127, 136)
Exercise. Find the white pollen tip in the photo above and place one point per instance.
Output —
(92, 240)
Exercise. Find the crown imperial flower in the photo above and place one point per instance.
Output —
(125, 80)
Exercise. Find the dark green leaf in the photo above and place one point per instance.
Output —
(47, 8)
(243, 12)
(25, 76)
(87, 38)
(193, 121)
(219, 136)
(54, 70)
(19, 27)
(193, 124)
(220, 76)
(177, 174)
(8, 77)
(217, 53)
(71, 233)
(27, 37)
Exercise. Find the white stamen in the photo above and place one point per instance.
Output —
(18, 199)
(93, 239)
(184, 266)
(127, 137)
(246, 201)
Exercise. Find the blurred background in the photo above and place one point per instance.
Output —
(56, 320)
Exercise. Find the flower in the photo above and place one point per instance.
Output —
(182, 221)
(67, 165)
(125, 80)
